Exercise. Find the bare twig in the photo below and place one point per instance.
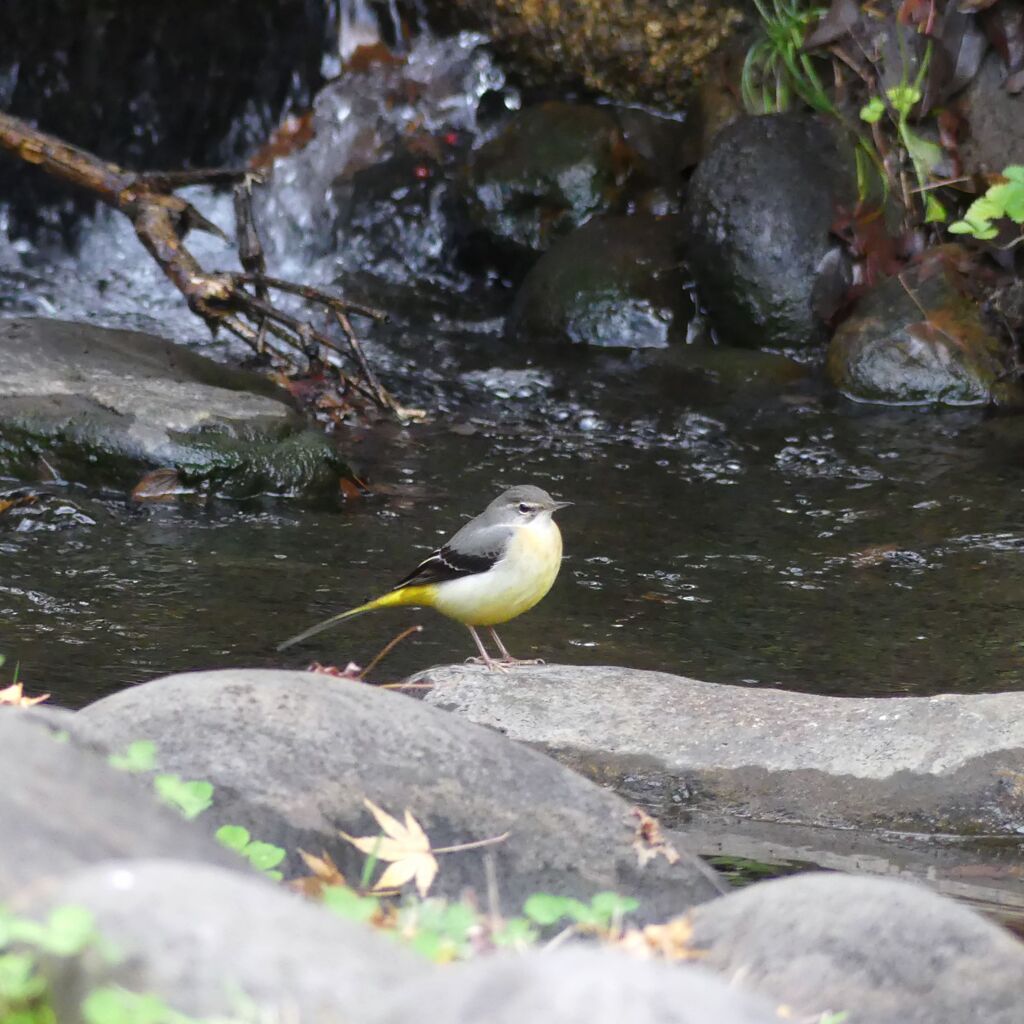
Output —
(239, 302)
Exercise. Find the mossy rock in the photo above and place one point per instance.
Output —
(101, 407)
(919, 339)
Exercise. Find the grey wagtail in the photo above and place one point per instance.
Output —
(496, 567)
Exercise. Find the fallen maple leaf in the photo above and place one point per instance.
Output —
(405, 847)
(15, 696)
(649, 842)
(668, 941)
(323, 874)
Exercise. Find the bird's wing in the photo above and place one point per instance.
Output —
(464, 555)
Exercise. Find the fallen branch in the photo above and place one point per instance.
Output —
(239, 302)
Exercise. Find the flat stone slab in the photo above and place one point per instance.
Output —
(949, 763)
(97, 405)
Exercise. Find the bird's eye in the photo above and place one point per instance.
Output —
(524, 508)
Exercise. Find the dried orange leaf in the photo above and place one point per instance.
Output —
(14, 695)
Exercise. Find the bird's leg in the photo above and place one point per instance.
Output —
(507, 658)
(484, 659)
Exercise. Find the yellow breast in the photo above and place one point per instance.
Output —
(513, 585)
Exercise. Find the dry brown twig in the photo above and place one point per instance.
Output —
(239, 302)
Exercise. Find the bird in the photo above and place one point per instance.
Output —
(496, 567)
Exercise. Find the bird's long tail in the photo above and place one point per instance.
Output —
(392, 599)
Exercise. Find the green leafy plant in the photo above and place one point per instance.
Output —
(1003, 200)
(777, 68)
(924, 155)
(189, 797)
(263, 856)
(605, 910)
(140, 756)
(24, 992)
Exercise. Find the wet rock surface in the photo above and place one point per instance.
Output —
(135, 88)
(996, 119)
(576, 986)
(90, 404)
(884, 952)
(616, 282)
(758, 214)
(550, 169)
(62, 807)
(209, 941)
(941, 763)
(292, 756)
(918, 339)
(646, 50)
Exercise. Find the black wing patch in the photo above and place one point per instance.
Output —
(447, 564)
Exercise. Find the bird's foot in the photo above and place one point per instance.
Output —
(489, 663)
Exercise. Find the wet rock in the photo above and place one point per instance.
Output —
(996, 119)
(208, 941)
(575, 986)
(646, 50)
(758, 215)
(617, 281)
(88, 404)
(884, 952)
(552, 168)
(293, 755)
(918, 339)
(63, 807)
(929, 764)
(27, 511)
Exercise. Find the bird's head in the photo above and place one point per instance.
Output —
(523, 504)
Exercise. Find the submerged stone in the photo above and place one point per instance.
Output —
(758, 217)
(552, 168)
(919, 339)
(94, 405)
(616, 281)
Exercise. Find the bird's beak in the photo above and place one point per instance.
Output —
(560, 504)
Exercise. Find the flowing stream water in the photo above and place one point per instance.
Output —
(731, 523)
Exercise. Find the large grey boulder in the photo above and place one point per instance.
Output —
(759, 212)
(944, 763)
(884, 952)
(293, 755)
(102, 406)
(63, 807)
(213, 943)
(574, 986)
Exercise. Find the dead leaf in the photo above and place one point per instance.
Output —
(14, 695)
(877, 554)
(323, 874)
(668, 941)
(649, 842)
(350, 671)
(159, 485)
(404, 846)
